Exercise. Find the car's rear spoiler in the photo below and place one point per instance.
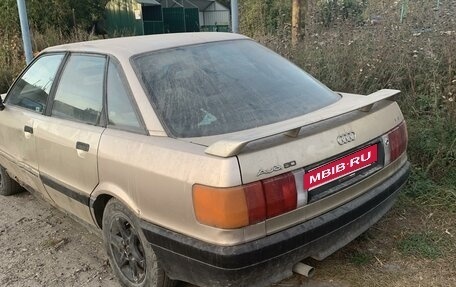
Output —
(348, 103)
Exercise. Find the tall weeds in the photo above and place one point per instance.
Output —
(12, 59)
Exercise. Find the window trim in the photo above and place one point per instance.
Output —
(52, 96)
(103, 121)
(142, 129)
(54, 83)
(50, 101)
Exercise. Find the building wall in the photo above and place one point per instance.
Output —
(219, 7)
(123, 17)
(215, 13)
(216, 18)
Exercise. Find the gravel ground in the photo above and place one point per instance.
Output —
(42, 246)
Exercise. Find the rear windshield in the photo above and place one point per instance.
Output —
(225, 87)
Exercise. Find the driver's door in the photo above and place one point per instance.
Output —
(25, 103)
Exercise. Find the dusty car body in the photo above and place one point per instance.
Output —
(139, 137)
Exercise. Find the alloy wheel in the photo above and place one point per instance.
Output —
(127, 250)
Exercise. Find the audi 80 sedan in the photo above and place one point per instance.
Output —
(202, 157)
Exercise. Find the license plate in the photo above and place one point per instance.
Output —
(341, 167)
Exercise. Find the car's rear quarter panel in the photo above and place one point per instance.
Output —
(154, 177)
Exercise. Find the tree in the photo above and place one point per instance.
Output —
(295, 22)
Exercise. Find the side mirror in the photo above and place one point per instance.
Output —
(2, 106)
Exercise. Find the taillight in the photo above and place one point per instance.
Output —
(256, 203)
(221, 207)
(245, 205)
(396, 142)
(280, 193)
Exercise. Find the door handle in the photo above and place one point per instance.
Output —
(28, 129)
(82, 146)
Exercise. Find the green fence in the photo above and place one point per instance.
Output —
(152, 13)
(122, 19)
(192, 20)
(153, 27)
(174, 20)
(178, 19)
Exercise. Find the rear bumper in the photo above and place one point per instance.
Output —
(270, 259)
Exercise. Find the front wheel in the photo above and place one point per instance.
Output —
(7, 185)
(132, 259)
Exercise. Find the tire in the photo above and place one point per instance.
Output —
(132, 259)
(7, 185)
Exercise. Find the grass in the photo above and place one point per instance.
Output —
(425, 244)
(361, 258)
(423, 190)
(412, 245)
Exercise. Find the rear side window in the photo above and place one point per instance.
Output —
(79, 95)
(31, 91)
(121, 113)
(224, 87)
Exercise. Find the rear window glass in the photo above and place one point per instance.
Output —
(225, 87)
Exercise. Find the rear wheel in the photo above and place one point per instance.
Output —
(132, 259)
(7, 185)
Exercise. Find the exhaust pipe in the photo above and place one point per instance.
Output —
(304, 269)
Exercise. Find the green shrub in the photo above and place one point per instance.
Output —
(333, 11)
(263, 17)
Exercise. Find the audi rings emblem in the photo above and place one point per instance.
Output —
(346, 138)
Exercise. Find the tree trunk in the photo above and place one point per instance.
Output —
(295, 22)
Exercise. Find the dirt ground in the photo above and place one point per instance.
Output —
(41, 246)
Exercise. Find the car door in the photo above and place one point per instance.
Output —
(25, 104)
(68, 139)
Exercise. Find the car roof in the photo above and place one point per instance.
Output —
(128, 46)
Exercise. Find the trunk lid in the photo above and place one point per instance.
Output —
(301, 142)
(318, 143)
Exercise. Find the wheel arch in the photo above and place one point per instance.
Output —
(101, 196)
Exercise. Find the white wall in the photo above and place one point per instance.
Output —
(219, 6)
(215, 13)
(201, 16)
(219, 17)
(215, 6)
